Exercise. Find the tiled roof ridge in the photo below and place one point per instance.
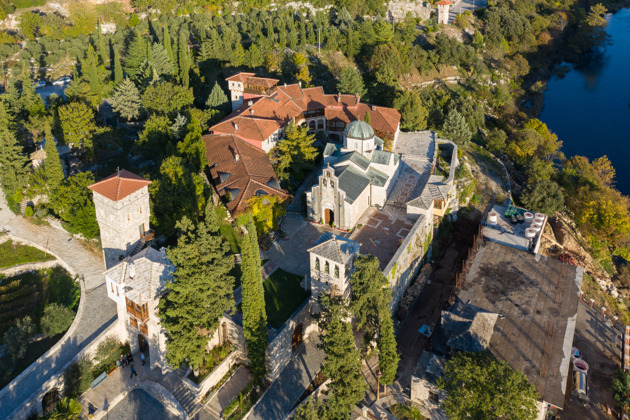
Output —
(319, 245)
(338, 247)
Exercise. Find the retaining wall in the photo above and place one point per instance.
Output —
(214, 377)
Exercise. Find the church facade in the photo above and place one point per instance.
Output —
(358, 175)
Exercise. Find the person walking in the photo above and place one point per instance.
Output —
(122, 361)
(129, 358)
(142, 358)
(133, 372)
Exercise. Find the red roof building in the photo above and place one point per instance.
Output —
(240, 171)
(119, 185)
(261, 110)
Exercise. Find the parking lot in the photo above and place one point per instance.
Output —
(600, 345)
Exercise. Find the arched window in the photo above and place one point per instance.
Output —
(336, 271)
(311, 125)
(325, 183)
(320, 124)
(316, 264)
(327, 268)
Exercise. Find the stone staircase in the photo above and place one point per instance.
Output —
(187, 399)
(23, 205)
(138, 247)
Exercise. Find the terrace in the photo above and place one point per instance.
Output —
(283, 296)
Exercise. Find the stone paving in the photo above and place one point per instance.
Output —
(99, 311)
(290, 253)
(138, 404)
(285, 391)
(229, 391)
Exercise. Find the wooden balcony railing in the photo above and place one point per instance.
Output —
(139, 311)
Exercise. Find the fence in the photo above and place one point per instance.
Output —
(467, 262)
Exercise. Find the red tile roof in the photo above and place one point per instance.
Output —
(119, 185)
(444, 2)
(251, 79)
(257, 122)
(243, 170)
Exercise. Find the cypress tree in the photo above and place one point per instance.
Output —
(192, 148)
(254, 313)
(126, 100)
(217, 99)
(387, 356)
(136, 54)
(90, 70)
(370, 295)
(52, 165)
(367, 118)
(168, 46)
(343, 361)
(13, 163)
(99, 42)
(118, 71)
(184, 59)
(201, 291)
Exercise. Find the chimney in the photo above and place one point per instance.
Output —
(250, 103)
(235, 126)
(285, 85)
(237, 157)
(251, 111)
(338, 97)
(358, 98)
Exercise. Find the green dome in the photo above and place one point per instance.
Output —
(359, 130)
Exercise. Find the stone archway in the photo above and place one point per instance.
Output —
(143, 346)
(329, 217)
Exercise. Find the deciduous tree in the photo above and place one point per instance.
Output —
(478, 386)
(17, 337)
(72, 202)
(56, 319)
(166, 98)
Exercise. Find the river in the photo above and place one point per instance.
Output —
(589, 107)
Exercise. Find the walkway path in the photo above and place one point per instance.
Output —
(99, 311)
(237, 383)
(285, 391)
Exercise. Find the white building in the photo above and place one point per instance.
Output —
(331, 261)
(136, 285)
(359, 175)
(443, 8)
(122, 213)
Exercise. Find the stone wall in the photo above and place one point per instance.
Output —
(399, 8)
(214, 377)
(405, 264)
(280, 349)
(34, 403)
(23, 268)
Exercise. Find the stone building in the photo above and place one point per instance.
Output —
(136, 285)
(122, 213)
(359, 175)
(443, 8)
(262, 110)
(331, 261)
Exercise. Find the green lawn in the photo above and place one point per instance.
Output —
(12, 253)
(227, 231)
(283, 295)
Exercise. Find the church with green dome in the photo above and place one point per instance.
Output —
(358, 174)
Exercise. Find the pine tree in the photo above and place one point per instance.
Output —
(136, 54)
(370, 295)
(387, 356)
(13, 163)
(351, 82)
(343, 361)
(168, 46)
(456, 128)
(254, 313)
(178, 127)
(91, 71)
(160, 60)
(183, 59)
(126, 100)
(294, 155)
(201, 291)
(217, 99)
(118, 71)
(77, 125)
(52, 165)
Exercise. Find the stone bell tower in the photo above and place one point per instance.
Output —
(122, 212)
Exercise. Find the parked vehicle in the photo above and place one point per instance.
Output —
(62, 81)
(39, 84)
(580, 386)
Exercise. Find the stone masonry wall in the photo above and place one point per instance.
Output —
(405, 264)
(279, 351)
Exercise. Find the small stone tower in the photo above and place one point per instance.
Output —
(122, 211)
(443, 8)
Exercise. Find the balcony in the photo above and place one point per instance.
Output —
(148, 235)
(139, 311)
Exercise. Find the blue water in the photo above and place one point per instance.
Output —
(589, 108)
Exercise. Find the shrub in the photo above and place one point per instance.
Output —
(78, 378)
(63, 289)
(28, 212)
(24, 4)
(56, 319)
(17, 337)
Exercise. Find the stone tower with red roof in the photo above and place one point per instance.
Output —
(122, 212)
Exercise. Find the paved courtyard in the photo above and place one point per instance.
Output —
(138, 404)
(99, 313)
(600, 345)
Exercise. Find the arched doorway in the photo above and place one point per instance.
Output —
(143, 345)
(296, 339)
(329, 217)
